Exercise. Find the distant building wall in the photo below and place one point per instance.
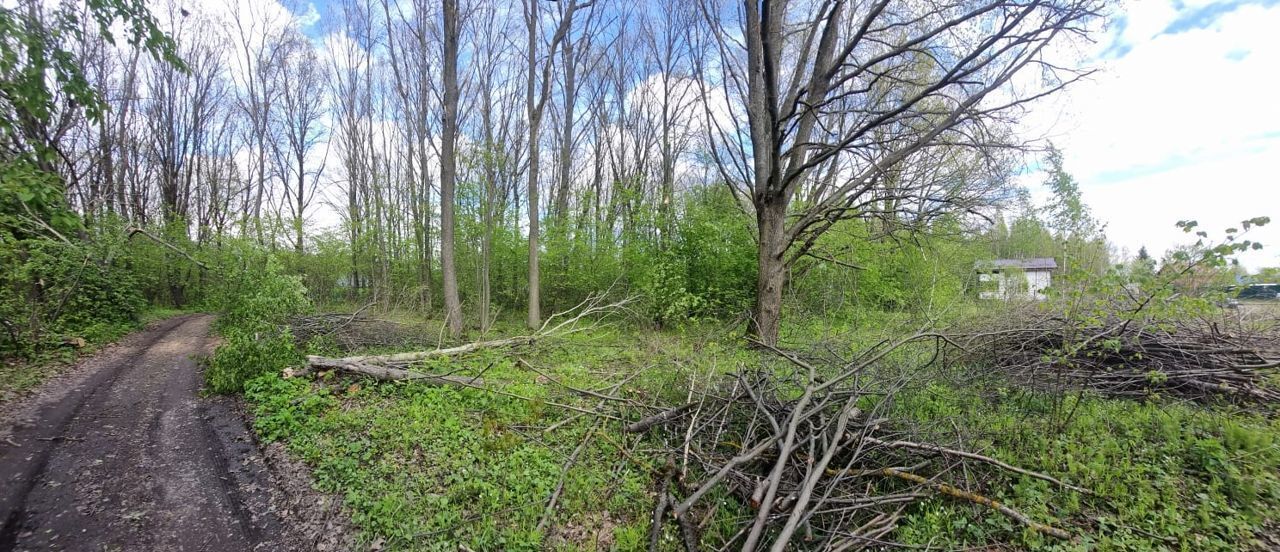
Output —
(1017, 284)
(1037, 282)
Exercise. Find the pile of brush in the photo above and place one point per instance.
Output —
(813, 453)
(356, 331)
(1225, 357)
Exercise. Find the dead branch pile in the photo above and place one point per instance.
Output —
(814, 456)
(353, 331)
(1198, 359)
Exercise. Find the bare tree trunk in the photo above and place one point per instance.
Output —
(449, 168)
(566, 138)
(770, 218)
(535, 104)
(535, 301)
(300, 203)
(535, 119)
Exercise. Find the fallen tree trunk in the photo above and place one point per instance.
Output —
(381, 372)
(418, 356)
(390, 367)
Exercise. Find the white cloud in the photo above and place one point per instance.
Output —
(1183, 125)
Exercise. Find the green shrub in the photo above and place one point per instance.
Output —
(260, 300)
(710, 269)
(52, 290)
(245, 356)
(254, 309)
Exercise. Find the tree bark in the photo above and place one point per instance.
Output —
(535, 104)
(448, 169)
(535, 119)
(566, 138)
(771, 274)
(383, 373)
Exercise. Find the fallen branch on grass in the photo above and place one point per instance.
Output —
(550, 509)
(973, 456)
(976, 498)
(391, 366)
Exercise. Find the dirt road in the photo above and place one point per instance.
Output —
(125, 454)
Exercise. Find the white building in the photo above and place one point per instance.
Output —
(1015, 278)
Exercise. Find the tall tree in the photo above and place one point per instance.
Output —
(449, 168)
(299, 117)
(352, 90)
(257, 58)
(573, 52)
(536, 97)
(411, 70)
(498, 106)
(668, 44)
(840, 97)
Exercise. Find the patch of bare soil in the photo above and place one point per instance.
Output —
(123, 453)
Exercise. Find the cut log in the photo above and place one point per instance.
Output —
(381, 372)
(659, 418)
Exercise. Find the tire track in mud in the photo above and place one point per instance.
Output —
(131, 457)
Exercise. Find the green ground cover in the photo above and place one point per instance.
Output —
(430, 468)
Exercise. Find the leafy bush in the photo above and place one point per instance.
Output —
(901, 272)
(245, 356)
(51, 291)
(666, 292)
(260, 299)
(254, 309)
(710, 269)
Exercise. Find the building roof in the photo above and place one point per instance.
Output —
(1042, 263)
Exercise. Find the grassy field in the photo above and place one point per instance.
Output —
(431, 468)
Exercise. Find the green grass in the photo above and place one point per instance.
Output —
(429, 468)
(1167, 476)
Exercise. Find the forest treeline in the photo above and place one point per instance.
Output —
(482, 159)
